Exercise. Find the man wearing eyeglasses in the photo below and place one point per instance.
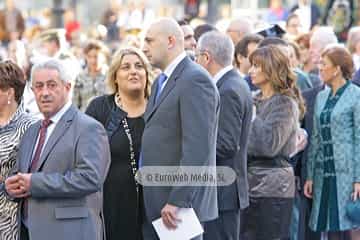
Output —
(215, 53)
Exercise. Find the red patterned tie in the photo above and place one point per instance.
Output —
(42, 136)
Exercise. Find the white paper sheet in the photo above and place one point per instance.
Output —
(188, 228)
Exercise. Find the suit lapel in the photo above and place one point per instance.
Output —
(58, 132)
(31, 146)
(150, 104)
(167, 89)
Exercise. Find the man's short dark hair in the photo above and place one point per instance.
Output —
(183, 22)
(203, 28)
(241, 47)
(273, 41)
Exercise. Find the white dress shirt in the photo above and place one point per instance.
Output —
(54, 121)
(171, 67)
(221, 73)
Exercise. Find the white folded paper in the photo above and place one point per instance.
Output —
(188, 228)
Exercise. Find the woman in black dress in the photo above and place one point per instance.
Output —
(121, 114)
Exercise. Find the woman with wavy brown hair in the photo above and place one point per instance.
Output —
(121, 113)
(272, 140)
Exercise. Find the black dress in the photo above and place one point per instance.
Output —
(121, 201)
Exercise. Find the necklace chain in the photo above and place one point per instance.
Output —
(118, 100)
(131, 143)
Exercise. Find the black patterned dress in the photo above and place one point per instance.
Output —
(10, 136)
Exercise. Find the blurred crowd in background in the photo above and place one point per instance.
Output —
(71, 30)
(86, 47)
(119, 22)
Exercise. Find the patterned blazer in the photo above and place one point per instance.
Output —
(345, 138)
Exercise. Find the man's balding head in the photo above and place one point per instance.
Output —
(238, 28)
(168, 27)
(164, 41)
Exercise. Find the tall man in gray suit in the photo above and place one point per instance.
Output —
(62, 164)
(215, 53)
(180, 127)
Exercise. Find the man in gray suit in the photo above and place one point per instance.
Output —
(180, 127)
(62, 164)
(215, 53)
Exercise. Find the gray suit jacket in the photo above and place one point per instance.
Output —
(66, 189)
(234, 125)
(180, 130)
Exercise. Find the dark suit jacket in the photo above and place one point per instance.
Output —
(181, 130)
(304, 231)
(307, 124)
(252, 87)
(234, 124)
(356, 78)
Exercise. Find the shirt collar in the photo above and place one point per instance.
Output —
(171, 67)
(221, 73)
(60, 113)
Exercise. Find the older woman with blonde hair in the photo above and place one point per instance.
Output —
(272, 141)
(128, 79)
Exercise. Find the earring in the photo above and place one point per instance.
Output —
(9, 102)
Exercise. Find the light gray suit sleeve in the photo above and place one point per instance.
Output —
(199, 105)
(89, 172)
